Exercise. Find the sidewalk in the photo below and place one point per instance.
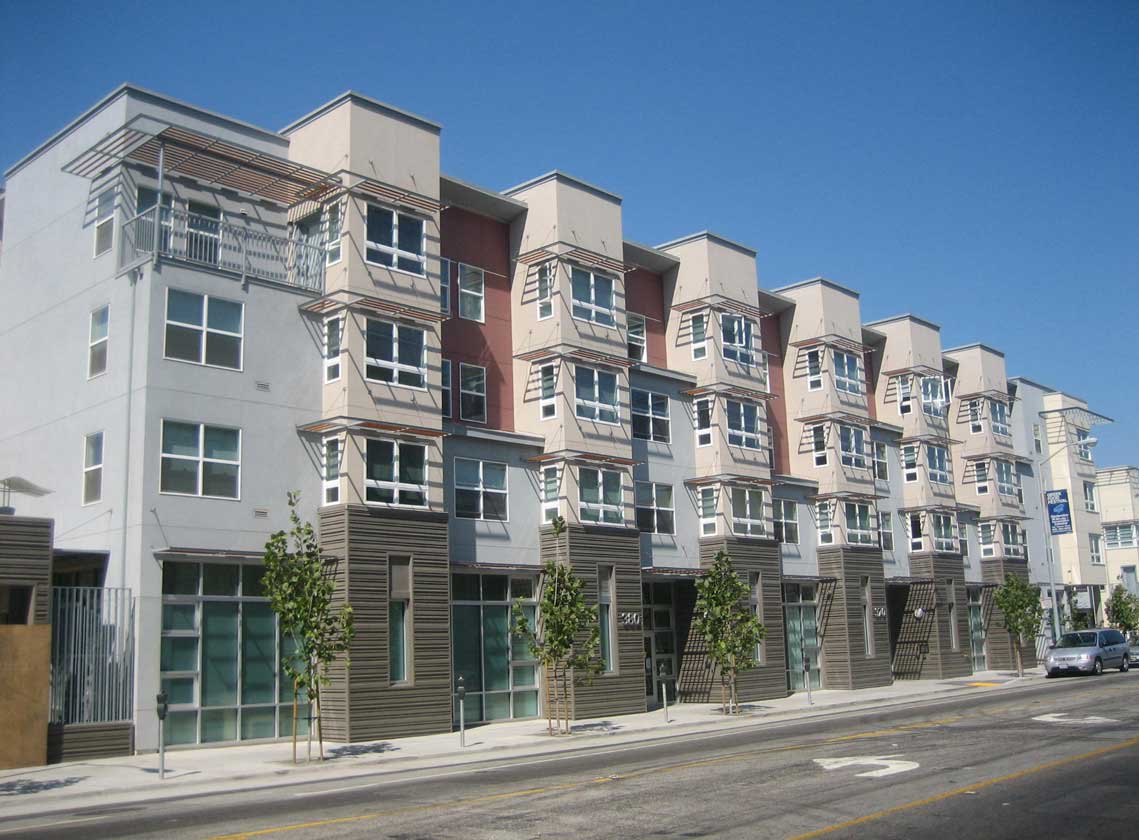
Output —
(118, 781)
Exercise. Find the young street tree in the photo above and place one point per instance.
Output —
(1122, 609)
(298, 583)
(728, 625)
(1020, 604)
(566, 636)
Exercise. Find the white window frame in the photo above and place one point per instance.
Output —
(815, 369)
(548, 402)
(464, 391)
(864, 533)
(885, 530)
(446, 388)
(592, 311)
(445, 286)
(330, 487)
(1037, 440)
(332, 360)
(392, 248)
(881, 462)
(600, 506)
(1091, 504)
(981, 477)
(1095, 549)
(102, 341)
(333, 231)
(747, 526)
(104, 215)
(703, 433)
(998, 413)
(396, 485)
(699, 345)
(742, 350)
(1120, 536)
(204, 329)
(910, 458)
(397, 365)
(962, 536)
(636, 336)
(655, 489)
(200, 458)
(944, 532)
(551, 507)
(853, 455)
(472, 293)
(1011, 539)
(819, 444)
(976, 417)
(743, 434)
(480, 487)
(594, 404)
(547, 279)
(92, 467)
(652, 399)
(905, 395)
(1006, 477)
(933, 396)
(707, 499)
(785, 515)
(917, 540)
(824, 520)
(986, 538)
(1082, 449)
(843, 380)
(937, 464)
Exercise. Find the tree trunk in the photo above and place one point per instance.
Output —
(548, 675)
(723, 696)
(565, 697)
(735, 696)
(319, 723)
(296, 691)
(1016, 650)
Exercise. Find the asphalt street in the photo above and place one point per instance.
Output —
(1058, 758)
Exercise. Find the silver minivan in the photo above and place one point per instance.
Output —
(1088, 652)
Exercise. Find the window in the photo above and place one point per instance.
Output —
(200, 460)
(699, 324)
(937, 461)
(332, 226)
(916, 542)
(592, 297)
(596, 393)
(395, 473)
(547, 274)
(814, 370)
(963, 537)
(999, 413)
(944, 532)
(551, 487)
(885, 531)
(472, 293)
(743, 424)
(97, 342)
(636, 337)
(932, 396)
(480, 490)
(1120, 536)
(650, 416)
(909, 464)
(823, 518)
(747, 512)
(394, 239)
(655, 513)
(859, 531)
(445, 286)
(1095, 555)
(785, 519)
(332, 335)
(1011, 537)
(599, 495)
(605, 615)
(93, 468)
(738, 335)
(985, 538)
(1005, 485)
(881, 465)
(395, 354)
(1083, 449)
(549, 382)
(707, 511)
(203, 329)
(472, 392)
(399, 615)
(702, 411)
(905, 395)
(1089, 497)
(867, 614)
(445, 383)
(951, 604)
(819, 444)
(331, 479)
(104, 221)
(976, 424)
(981, 474)
(852, 442)
(846, 373)
(1037, 442)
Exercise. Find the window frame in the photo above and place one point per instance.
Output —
(699, 346)
(396, 365)
(917, 538)
(743, 436)
(702, 432)
(819, 444)
(396, 486)
(742, 351)
(445, 286)
(881, 464)
(1091, 503)
(944, 524)
(885, 530)
(601, 506)
(981, 477)
(392, 248)
(478, 295)
(999, 423)
(590, 306)
(446, 409)
(548, 403)
(824, 522)
(463, 391)
(905, 395)
(986, 539)
(976, 417)
(103, 341)
(104, 215)
(651, 399)
(89, 468)
(200, 458)
(481, 489)
(333, 219)
(204, 329)
(862, 516)
(630, 335)
(707, 498)
(910, 463)
(780, 521)
(332, 363)
(1095, 549)
(407, 625)
(843, 380)
(1005, 488)
(815, 371)
(866, 597)
(547, 278)
(751, 527)
(939, 469)
(1083, 450)
(933, 402)
(655, 508)
(595, 403)
(551, 506)
(1120, 535)
(331, 485)
(606, 601)
(855, 455)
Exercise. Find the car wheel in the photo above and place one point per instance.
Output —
(1125, 666)
(1097, 669)
(1049, 675)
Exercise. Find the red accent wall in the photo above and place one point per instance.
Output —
(644, 295)
(777, 411)
(484, 243)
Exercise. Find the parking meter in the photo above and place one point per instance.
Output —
(161, 704)
(461, 693)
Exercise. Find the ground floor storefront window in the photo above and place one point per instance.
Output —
(498, 669)
(221, 656)
(800, 610)
(976, 628)
(659, 622)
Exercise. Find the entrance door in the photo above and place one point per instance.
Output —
(660, 638)
(976, 630)
(799, 615)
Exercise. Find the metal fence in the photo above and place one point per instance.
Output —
(92, 654)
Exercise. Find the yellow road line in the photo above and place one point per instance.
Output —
(941, 797)
(983, 684)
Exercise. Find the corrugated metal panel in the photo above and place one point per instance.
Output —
(25, 559)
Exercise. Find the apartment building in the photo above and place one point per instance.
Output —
(229, 314)
(1117, 491)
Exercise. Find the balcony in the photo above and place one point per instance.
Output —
(245, 250)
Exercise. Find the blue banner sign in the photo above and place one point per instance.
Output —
(1059, 512)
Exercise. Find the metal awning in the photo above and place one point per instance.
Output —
(836, 416)
(928, 437)
(582, 256)
(574, 456)
(729, 391)
(854, 495)
(722, 303)
(729, 478)
(988, 394)
(205, 158)
(577, 354)
(1082, 417)
(336, 425)
(672, 572)
(833, 340)
(344, 299)
(920, 370)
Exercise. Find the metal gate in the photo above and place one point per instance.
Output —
(92, 654)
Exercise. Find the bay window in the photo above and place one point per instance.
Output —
(702, 414)
(737, 337)
(846, 373)
(599, 496)
(1005, 485)
(985, 538)
(395, 240)
(823, 521)
(917, 542)
(1000, 418)
(937, 462)
(548, 381)
(743, 424)
(395, 354)
(905, 395)
(1011, 538)
(596, 394)
(332, 346)
(699, 327)
(551, 493)
(707, 505)
(592, 297)
(747, 512)
(814, 370)
(547, 274)
(933, 396)
(395, 473)
(981, 476)
(819, 444)
(331, 470)
(944, 532)
(976, 423)
(859, 531)
(852, 442)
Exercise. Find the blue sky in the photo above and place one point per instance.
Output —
(977, 164)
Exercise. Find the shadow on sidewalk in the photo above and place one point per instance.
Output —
(20, 787)
(600, 726)
(350, 750)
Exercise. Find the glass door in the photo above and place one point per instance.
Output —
(660, 638)
(976, 630)
(799, 612)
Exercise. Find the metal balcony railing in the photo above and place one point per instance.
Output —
(238, 248)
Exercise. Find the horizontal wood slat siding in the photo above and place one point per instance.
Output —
(910, 662)
(945, 662)
(369, 707)
(999, 644)
(844, 662)
(84, 741)
(25, 559)
(769, 680)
